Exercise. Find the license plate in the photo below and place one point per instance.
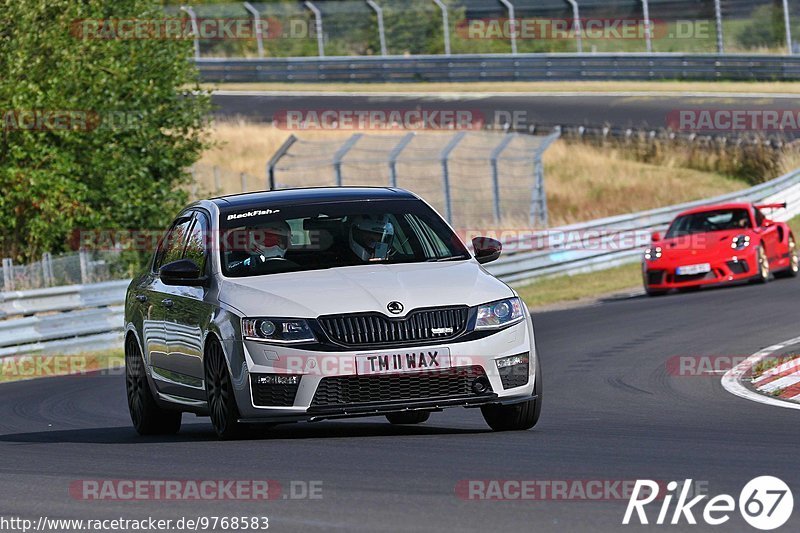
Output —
(689, 270)
(402, 361)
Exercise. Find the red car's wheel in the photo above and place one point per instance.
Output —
(762, 263)
(794, 263)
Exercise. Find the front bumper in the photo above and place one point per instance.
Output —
(310, 399)
(662, 274)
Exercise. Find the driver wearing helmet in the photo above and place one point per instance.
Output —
(371, 237)
(266, 247)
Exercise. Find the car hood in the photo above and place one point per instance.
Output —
(362, 288)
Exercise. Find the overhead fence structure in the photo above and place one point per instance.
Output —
(474, 179)
(329, 28)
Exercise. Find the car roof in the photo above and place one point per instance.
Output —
(717, 207)
(310, 195)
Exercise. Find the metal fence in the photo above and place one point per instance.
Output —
(326, 28)
(65, 269)
(473, 178)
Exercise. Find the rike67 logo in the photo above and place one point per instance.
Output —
(765, 503)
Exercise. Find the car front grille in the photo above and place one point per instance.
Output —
(352, 390)
(420, 325)
(273, 394)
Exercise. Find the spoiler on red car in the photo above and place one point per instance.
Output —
(772, 206)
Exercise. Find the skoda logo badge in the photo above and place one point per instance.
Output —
(395, 308)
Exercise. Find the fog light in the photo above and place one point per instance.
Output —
(514, 370)
(519, 359)
(276, 379)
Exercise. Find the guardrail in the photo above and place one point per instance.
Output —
(96, 319)
(502, 67)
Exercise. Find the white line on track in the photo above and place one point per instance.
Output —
(476, 95)
(732, 380)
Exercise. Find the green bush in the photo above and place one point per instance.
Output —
(119, 159)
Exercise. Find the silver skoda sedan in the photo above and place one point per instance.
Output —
(324, 303)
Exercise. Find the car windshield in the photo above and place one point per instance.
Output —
(262, 239)
(703, 222)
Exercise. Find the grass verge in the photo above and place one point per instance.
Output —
(524, 87)
(23, 367)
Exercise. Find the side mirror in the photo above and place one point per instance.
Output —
(486, 249)
(655, 236)
(767, 223)
(181, 272)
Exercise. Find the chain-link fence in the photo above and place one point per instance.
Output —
(66, 269)
(412, 27)
(474, 179)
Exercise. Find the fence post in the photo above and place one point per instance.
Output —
(381, 29)
(496, 176)
(445, 26)
(339, 155)
(47, 269)
(448, 204)
(84, 261)
(8, 274)
(512, 25)
(718, 18)
(394, 154)
(257, 22)
(648, 37)
(195, 29)
(576, 16)
(788, 26)
(318, 26)
(539, 196)
(217, 181)
(273, 161)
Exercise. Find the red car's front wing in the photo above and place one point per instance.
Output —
(736, 266)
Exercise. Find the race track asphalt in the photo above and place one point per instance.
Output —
(622, 110)
(612, 411)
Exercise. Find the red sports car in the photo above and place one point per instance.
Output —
(719, 244)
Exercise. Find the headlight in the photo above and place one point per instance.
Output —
(740, 242)
(278, 330)
(499, 314)
(651, 254)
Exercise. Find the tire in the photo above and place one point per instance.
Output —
(519, 416)
(408, 417)
(147, 417)
(219, 393)
(762, 264)
(794, 263)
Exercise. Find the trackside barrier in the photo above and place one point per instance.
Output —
(96, 317)
(502, 67)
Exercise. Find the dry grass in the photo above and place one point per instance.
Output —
(526, 87)
(562, 289)
(583, 181)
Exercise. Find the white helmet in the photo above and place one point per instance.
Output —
(371, 236)
(271, 240)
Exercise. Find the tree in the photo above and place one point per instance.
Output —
(97, 131)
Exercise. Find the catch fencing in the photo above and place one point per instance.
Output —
(476, 179)
(385, 28)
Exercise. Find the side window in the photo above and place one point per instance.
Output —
(759, 218)
(196, 245)
(171, 247)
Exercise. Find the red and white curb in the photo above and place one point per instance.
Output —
(784, 377)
